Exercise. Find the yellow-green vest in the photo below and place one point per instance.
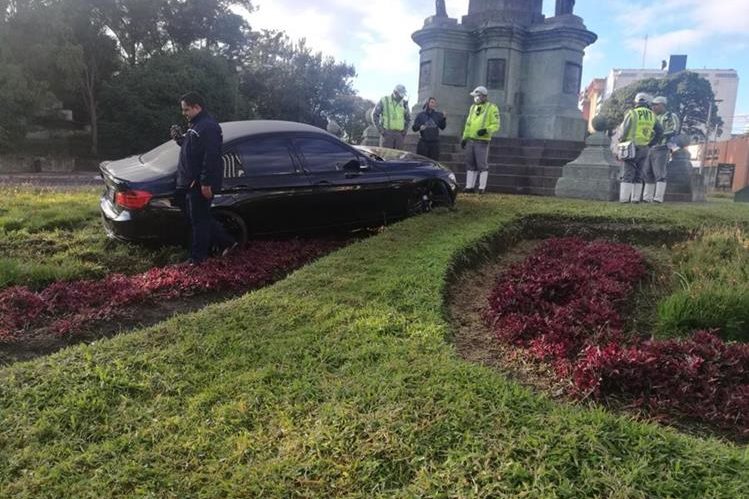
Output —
(642, 125)
(487, 117)
(393, 114)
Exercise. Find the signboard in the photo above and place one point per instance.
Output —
(724, 177)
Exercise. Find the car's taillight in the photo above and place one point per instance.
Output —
(132, 200)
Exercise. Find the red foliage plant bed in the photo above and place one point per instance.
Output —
(65, 307)
(562, 305)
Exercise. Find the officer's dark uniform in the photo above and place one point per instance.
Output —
(200, 164)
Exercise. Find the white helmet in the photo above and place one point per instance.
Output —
(660, 100)
(400, 90)
(479, 91)
(643, 97)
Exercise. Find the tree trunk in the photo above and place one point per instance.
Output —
(89, 100)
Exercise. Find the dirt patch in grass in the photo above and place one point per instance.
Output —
(474, 340)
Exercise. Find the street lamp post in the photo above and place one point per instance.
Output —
(707, 132)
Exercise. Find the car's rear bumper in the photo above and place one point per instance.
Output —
(149, 224)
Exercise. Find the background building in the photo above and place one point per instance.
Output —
(592, 100)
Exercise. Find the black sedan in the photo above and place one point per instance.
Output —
(278, 177)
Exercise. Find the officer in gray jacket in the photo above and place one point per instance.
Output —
(391, 116)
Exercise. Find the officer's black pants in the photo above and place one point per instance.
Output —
(430, 149)
(205, 230)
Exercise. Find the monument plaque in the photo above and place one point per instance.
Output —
(425, 74)
(572, 75)
(455, 68)
(495, 74)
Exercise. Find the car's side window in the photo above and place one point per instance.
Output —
(259, 157)
(322, 155)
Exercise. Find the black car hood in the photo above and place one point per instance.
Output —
(393, 158)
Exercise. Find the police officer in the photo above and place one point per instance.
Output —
(639, 126)
(428, 123)
(392, 117)
(482, 122)
(199, 177)
(655, 167)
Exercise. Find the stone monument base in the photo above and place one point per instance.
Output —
(594, 175)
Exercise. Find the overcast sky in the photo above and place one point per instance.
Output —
(375, 35)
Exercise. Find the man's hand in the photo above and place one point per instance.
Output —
(206, 191)
(175, 131)
(481, 132)
(463, 143)
(404, 131)
(423, 127)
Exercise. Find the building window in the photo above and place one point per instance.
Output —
(572, 75)
(455, 70)
(495, 74)
(425, 74)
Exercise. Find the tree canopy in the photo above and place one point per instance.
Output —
(122, 64)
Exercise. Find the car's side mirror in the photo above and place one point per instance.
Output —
(353, 166)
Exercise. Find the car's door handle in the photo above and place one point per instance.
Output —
(352, 174)
(321, 184)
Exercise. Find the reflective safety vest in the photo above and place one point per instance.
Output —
(480, 116)
(670, 123)
(393, 114)
(642, 124)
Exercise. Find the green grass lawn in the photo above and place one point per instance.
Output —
(47, 236)
(341, 381)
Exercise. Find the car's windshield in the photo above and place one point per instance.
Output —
(165, 154)
(370, 154)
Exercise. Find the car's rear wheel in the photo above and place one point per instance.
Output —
(234, 224)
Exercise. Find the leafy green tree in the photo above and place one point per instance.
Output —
(140, 103)
(287, 81)
(144, 28)
(689, 97)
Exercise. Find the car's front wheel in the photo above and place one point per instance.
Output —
(425, 197)
(234, 224)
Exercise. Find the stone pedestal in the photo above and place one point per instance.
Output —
(742, 196)
(370, 137)
(593, 175)
(530, 65)
(684, 184)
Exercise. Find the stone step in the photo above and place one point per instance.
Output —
(499, 160)
(515, 182)
(541, 171)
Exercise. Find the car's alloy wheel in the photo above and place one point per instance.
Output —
(234, 224)
(426, 197)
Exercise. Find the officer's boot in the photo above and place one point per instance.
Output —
(648, 193)
(483, 179)
(470, 181)
(637, 192)
(660, 192)
(625, 192)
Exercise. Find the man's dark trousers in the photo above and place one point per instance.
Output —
(204, 229)
(429, 148)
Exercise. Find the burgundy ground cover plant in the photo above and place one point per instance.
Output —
(563, 305)
(67, 306)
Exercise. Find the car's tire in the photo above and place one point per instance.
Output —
(428, 196)
(234, 224)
